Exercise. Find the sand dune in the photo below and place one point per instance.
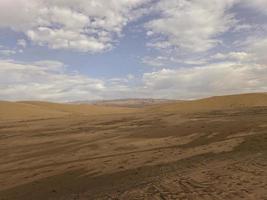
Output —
(75, 152)
(22, 111)
(81, 108)
(217, 103)
(36, 109)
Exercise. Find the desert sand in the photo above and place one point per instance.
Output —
(213, 148)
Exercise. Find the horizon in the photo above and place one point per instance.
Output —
(128, 99)
(65, 51)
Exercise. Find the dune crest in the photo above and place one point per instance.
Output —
(217, 103)
(37, 109)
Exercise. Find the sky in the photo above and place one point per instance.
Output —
(78, 50)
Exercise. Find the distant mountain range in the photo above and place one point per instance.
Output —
(132, 103)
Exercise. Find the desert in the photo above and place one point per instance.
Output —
(212, 148)
(133, 100)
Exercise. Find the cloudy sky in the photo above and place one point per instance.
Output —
(69, 50)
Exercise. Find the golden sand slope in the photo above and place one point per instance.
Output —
(34, 109)
(81, 108)
(142, 155)
(22, 111)
(217, 103)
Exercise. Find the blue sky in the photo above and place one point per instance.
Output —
(65, 50)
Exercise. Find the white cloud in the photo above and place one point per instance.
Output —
(50, 65)
(190, 25)
(130, 77)
(22, 43)
(47, 80)
(257, 46)
(62, 39)
(243, 27)
(213, 79)
(158, 61)
(191, 28)
(198, 61)
(234, 56)
(260, 5)
(18, 14)
(7, 52)
(171, 60)
(95, 25)
(82, 25)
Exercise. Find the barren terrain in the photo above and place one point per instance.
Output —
(214, 148)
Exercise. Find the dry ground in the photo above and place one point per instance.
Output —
(144, 154)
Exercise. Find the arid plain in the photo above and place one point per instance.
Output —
(214, 148)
